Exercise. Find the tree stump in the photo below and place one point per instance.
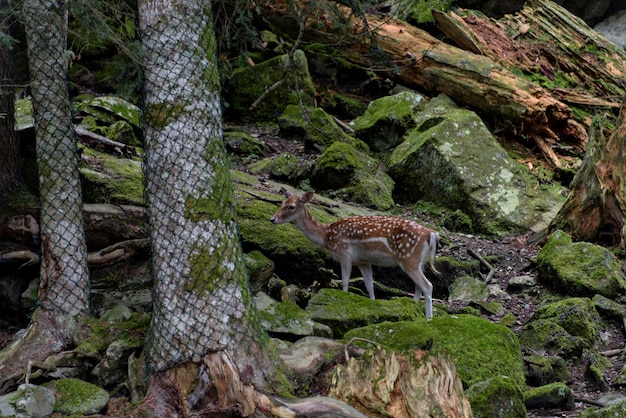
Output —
(387, 384)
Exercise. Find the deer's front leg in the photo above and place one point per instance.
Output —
(346, 270)
(368, 278)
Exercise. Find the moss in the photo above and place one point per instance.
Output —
(109, 179)
(343, 311)
(579, 268)
(553, 395)
(479, 348)
(98, 334)
(74, 396)
(498, 396)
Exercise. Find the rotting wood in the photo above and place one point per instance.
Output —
(418, 60)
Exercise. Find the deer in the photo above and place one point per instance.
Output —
(364, 241)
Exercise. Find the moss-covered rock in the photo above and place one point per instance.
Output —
(386, 120)
(353, 175)
(77, 397)
(435, 163)
(540, 370)
(343, 311)
(243, 144)
(609, 308)
(288, 321)
(249, 83)
(468, 289)
(109, 179)
(553, 395)
(316, 127)
(612, 410)
(498, 396)
(566, 327)
(579, 268)
(285, 167)
(480, 348)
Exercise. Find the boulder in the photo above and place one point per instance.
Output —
(244, 145)
(28, 401)
(565, 328)
(260, 268)
(353, 175)
(497, 396)
(316, 127)
(554, 395)
(579, 268)
(249, 83)
(386, 120)
(287, 320)
(343, 311)
(77, 397)
(452, 160)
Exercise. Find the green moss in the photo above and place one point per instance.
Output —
(343, 311)
(160, 115)
(74, 396)
(479, 348)
(109, 179)
(98, 334)
(579, 268)
(498, 396)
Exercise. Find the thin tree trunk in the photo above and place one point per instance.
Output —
(64, 277)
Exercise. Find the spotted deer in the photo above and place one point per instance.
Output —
(364, 241)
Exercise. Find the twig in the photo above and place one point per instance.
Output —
(353, 339)
(484, 262)
(612, 353)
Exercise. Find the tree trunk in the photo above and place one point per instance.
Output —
(202, 302)
(403, 389)
(64, 277)
(416, 59)
(596, 207)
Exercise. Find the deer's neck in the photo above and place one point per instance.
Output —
(312, 229)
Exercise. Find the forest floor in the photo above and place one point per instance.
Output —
(509, 257)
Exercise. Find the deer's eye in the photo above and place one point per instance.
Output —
(292, 207)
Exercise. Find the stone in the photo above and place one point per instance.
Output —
(579, 268)
(435, 163)
(612, 28)
(497, 396)
(553, 395)
(77, 397)
(28, 401)
(387, 119)
(287, 320)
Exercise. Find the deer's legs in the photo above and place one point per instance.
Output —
(422, 286)
(346, 270)
(368, 278)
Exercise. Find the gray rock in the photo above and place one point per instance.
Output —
(614, 28)
(28, 401)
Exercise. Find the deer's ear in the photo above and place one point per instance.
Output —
(307, 197)
(285, 192)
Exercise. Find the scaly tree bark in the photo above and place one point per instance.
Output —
(205, 336)
(417, 59)
(64, 278)
(595, 210)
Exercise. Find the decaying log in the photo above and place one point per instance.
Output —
(595, 210)
(401, 389)
(418, 60)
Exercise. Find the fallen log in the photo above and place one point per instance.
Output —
(416, 59)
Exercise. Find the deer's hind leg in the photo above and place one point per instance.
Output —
(368, 278)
